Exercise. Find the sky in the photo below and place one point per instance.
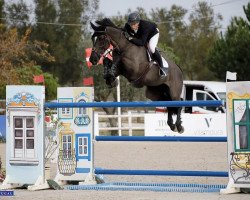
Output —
(227, 8)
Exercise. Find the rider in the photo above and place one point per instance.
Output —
(142, 33)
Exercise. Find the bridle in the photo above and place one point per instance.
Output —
(109, 40)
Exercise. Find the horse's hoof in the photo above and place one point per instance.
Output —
(173, 128)
(180, 129)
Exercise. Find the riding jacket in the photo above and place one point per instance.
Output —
(144, 33)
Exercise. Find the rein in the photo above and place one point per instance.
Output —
(114, 43)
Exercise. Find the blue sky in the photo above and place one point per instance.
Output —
(227, 8)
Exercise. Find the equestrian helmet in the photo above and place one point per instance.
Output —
(134, 17)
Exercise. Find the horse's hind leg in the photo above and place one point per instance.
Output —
(155, 94)
(170, 120)
(178, 122)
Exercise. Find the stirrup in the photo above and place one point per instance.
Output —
(163, 72)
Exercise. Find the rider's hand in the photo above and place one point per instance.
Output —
(127, 36)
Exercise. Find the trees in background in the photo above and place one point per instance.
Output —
(231, 52)
(18, 57)
(18, 16)
(193, 41)
(26, 75)
(59, 24)
(2, 14)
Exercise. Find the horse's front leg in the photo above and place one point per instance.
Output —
(170, 120)
(110, 71)
(113, 70)
(107, 63)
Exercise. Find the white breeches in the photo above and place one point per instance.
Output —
(153, 43)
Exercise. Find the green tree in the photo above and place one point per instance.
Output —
(18, 54)
(18, 16)
(63, 26)
(194, 42)
(70, 36)
(231, 52)
(169, 53)
(188, 43)
(2, 13)
(46, 30)
(26, 75)
(170, 23)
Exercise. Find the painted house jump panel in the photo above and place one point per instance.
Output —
(238, 130)
(75, 136)
(24, 133)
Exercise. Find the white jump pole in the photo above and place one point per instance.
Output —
(119, 108)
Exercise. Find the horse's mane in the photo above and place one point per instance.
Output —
(106, 22)
(99, 30)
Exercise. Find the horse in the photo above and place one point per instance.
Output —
(133, 63)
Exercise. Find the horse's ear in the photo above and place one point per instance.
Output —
(97, 28)
(105, 22)
(94, 26)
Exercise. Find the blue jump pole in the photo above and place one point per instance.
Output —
(161, 139)
(162, 172)
(213, 103)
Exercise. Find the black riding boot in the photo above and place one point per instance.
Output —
(157, 57)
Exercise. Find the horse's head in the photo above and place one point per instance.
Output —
(101, 39)
(105, 33)
(101, 43)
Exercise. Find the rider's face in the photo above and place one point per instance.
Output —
(134, 26)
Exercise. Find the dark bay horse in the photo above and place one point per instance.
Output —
(132, 62)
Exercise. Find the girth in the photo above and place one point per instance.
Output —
(138, 82)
